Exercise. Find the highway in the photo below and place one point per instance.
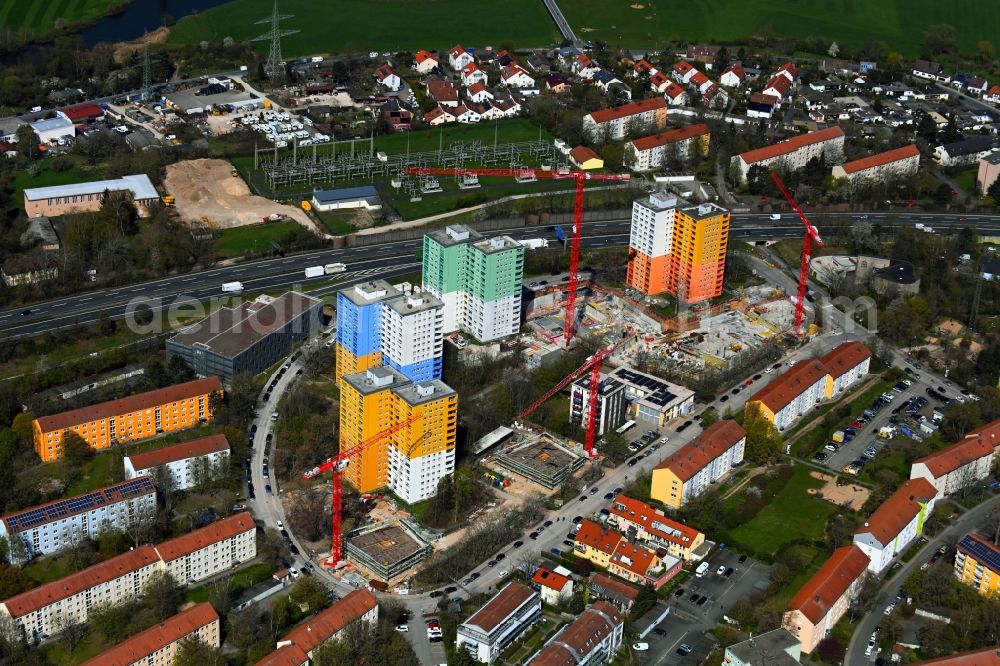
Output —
(184, 294)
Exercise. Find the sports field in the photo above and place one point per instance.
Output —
(39, 16)
(898, 23)
(357, 26)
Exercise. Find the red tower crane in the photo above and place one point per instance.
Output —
(811, 236)
(593, 364)
(581, 177)
(337, 465)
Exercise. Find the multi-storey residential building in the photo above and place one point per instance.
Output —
(359, 326)
(677, 249)
(610, 408)
(478, 279)
(642, 522)
(701, 462)
(847, 364)
(414, 458)
(188, 462)
(591, 639)
(823, 600)
(983, 657)
(962, 464)
(158, 645)
(652, 152)
(596, 543)
(977, 563)
(413, 335)
(891, 165)
(210, 550)
(496, 625)
(555, 585)
(794, 153)
(895, 524)
(620, 594)
(128, 419)
(777, 647)
(297, 647)
(641, 565)
(61, 524)
(48, 609)
(648, 115)
(792, 394)
(423, 452)
(650, 399)
(249, 338)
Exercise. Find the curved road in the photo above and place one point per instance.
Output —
(385, 260)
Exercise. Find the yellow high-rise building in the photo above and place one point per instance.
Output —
(977, 563)
(412, 460)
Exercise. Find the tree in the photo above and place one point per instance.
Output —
(162, 596)
(308, 513)
(763, 439)
(940, 39)
(830, 650)
(27, 141)
(994, 191)
(112, 620)
(441, 511)
(23, 428)
(985, 52)
(309, 594)
(193, 652)
(942, 195)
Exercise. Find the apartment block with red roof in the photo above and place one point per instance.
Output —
(596, 543)
(680, 144)
(794, 153)
(983, 657)
(792, 394)
(593, 638)
(620, 594)
(823, 600)
(847, 364)
(210, 550)
(189, 463)
(642, 522)
(703, 461)
(968, 461)
(643, 566)
(977, 563)
(128, 419)
(158, 645)
(298, 646)
(890, 165)
(489, 631)
(896, 523)
(615, 123)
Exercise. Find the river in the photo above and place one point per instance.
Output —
(142, 16)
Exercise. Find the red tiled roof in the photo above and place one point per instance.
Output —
(421, 56)
(761, 98)
(499, 608)
(442, 91)
(983, 657)
(83, 112)
(896, 512)
(653, 521)
(477, 87)
(670, 136)
(698, 79)
(790, 385)
(887, 157)
(643, 66)
(779, 83)
(658, 78)
(787, 146)
(598, 537)
(286, 655)
(673, 91)
(324, 625)
(456, 50)
(470, 68)
(615, 586)
(437, 111)
(703, 449)
(834, 578)
(190, 449)
(580, 637)
(630, 109)
(737, 69)
(383, 72)
(845, 357)
(581, 154)
(146, 643)
(637, 559)
(200, 538)
(32, 600)
(683, 67)
(132, 403)
(790, 68)
(549, 578)
(994, 90)
(977, 444)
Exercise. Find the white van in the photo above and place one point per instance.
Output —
(701, 570)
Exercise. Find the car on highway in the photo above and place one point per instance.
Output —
(25, 313)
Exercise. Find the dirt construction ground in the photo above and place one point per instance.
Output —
(206, 187)
(849, 495)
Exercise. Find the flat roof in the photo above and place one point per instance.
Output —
(369, 292)
(59, 122)
(373, 380)
(139, 184)
(424, 391)
(230, 331)
(497, 244)
(454, 234)
(407, 304)
(387, 545)
(771, 648)
(345, 194)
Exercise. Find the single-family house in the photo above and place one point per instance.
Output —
(459, 57)
(715, 97)
(442, 92)
(425, 62)
(397, 117)
(514, 76)
(388, 78)
(733, 76)
(927, 69)
(761, 105)
(993, 94)
(584, 67)
(700, 82)
(557, 83)
(472, 74)
(675, 95)
(554, 584)
(538, 64)
(478, 93)
(896, 523)
(643, 68)
(964, 151)
(659, 82)
(703, 53)
(620, 594)
(585, 158)
(466, 114)
(789, 71)
(779, 86)
(439, 115)
(683, 71)
(596, 543)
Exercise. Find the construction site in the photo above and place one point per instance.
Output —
(387, 551)
(539, 458)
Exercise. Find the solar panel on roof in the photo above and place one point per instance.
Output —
(30, 518)
(981, 552)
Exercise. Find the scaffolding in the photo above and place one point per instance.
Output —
(323, 164)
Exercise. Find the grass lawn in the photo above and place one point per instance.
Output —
(513, 130)
(240, 240)
(348, 26)
(69, 351)
(46, 177)
(792, 515)
(898, 23)
(336, 222)
(243, 580)
(966, 179)
(58, 652)
(896, 461)
(40, 17)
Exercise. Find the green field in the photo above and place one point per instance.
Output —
(46, 178)
(238, 241)
(350, 26)
(793, 515)
(898, 23)
(38, 17)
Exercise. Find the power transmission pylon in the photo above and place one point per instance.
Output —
(275, 67)
(146, 91)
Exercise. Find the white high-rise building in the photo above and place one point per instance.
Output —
(413, 335)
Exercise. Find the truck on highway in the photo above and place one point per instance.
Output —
(232, 287)
(314, 271)
(534, 243)
(330, 269)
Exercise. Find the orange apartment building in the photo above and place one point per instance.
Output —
(677, 249)
(128, 419)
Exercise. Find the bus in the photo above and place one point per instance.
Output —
(625, 427)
